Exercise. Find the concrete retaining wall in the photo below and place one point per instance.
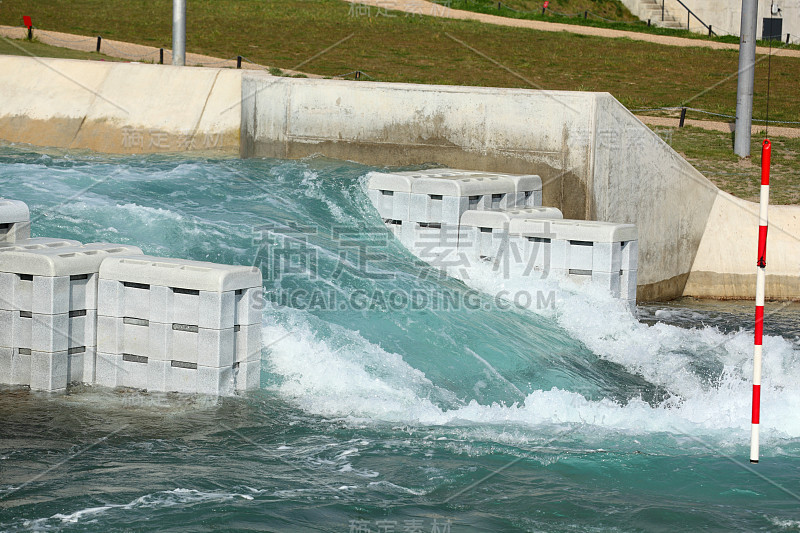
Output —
(119, 107)
(597, 161)
(725, 264)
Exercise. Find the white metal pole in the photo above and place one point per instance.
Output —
(179, 32)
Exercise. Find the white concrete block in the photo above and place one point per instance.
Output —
(628, 285)
(437, 209)
(607, 257)
(579, 255)
(130, 335)
(49, 370)
(15, 222)
(81, 365)
(53, 278)
(630, 255)
(184, 378)
(180, 273)
(205, 347)
(49, 333)
(247, 341)
(166, 342)
(107, 369)
(247, 375)
(39, 243)
(390, 204)
(249, 306)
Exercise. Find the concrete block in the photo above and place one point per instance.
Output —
(39, 243)
(249, 306)
(130, 335)
(247, 375)
(53, 333)
(247, 341)
(607, 257)
(390, 204)
(49, 370)
(180, 273)
(157, 375)
(15, 222)
(81, 365)
(165, 342)
(199, 379)
(204, 347)
(579, 255)
(107, 369)
(53, 277)
(609, 281)
(629, 255)
(628, 285)
(437, 209)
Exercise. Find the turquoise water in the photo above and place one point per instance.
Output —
(393, 398)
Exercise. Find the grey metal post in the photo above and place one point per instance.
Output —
(744, 88)
(179, 32)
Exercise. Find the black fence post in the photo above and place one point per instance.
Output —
(160, 56)
(585, 15)
(238, 61)
(358, 74)
(710, 33)
(787, 38)
(662, 10)
(683, 117)
(648, 23)
(98, 43)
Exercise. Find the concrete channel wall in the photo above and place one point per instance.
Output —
(118, 107)
(597, 161)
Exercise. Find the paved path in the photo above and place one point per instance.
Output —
(138, 52)
(123, 50)
(423, 7)
(727, 127)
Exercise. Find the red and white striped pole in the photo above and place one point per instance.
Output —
(766, 153)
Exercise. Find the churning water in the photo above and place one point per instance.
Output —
(393, 398)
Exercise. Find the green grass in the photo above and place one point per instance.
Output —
(418, 49)
(711, 152)
(17, 47)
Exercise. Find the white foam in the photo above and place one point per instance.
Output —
(341, 380)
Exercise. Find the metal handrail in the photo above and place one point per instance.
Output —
(689, 15)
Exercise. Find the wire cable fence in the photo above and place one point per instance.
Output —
(711, 113)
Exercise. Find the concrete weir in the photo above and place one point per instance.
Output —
(597, 161)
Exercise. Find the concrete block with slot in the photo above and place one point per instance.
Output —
(206, 295)
(40, 242)
(49, 370)
(167, 342)
(443, 199)
(47, 333)
(483, 235)
(81, 364)
(51, 278)
(187, 322)
(247, 375)
(390, 193)
(583, 250)
(15, 221)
